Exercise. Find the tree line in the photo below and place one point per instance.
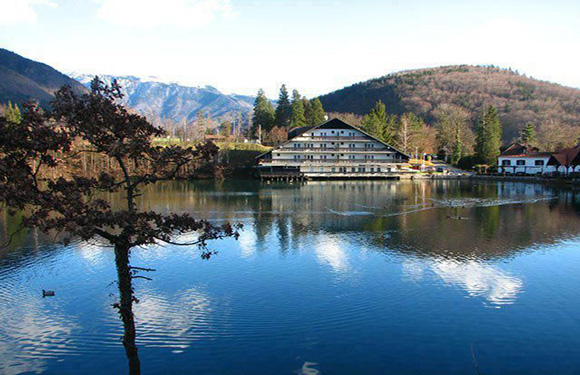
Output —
(271, 124)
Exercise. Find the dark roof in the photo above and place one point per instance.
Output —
(566, 157)
(297, 131)
(335, 123)
(519, 149)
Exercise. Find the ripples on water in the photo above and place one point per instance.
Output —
(336, 278)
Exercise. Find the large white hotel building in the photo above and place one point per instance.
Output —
(333, 149)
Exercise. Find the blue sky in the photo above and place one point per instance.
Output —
(314, 46)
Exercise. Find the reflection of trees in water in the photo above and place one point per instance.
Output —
(293, 211)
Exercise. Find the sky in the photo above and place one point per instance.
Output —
(239, 46)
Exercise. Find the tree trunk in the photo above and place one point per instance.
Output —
(126, 307)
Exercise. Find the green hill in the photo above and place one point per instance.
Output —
(519, 99)
(23, 79)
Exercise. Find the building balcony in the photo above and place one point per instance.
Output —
(331, 149)
(333, 137)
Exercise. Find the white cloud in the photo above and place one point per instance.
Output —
(15, 12)
(146, 14)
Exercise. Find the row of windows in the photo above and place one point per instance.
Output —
(310, 157)
(357, 169)
(537, 163)
(325, 145)
(324, 134)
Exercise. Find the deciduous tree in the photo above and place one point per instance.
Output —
(71, 206)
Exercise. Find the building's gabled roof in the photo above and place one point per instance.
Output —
(519, 149)
(297, 131)
(334, 123)
(566, 157)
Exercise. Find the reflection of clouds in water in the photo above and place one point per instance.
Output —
(477, 279)
(308, 369)
(30, 335)
(329, 252)
(173, 321)
(92, 253)
(247, 242)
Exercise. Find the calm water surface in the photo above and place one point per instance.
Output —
(327, 277)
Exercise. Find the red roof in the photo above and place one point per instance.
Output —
(566, 157)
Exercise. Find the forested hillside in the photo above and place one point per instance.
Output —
(518, 99)
(23, 79)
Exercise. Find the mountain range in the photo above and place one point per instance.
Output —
(159, 100)
(518, 98)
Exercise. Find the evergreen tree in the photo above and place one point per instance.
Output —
(488, 136)
(284, 108)
(12, 113)
(264, 115)
(307, 111)
(318, 116)
(379, 124)
(528, 134)
(297, 119)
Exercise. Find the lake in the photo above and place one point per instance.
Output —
(358, 277)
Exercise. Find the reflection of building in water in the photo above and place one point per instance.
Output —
(333, 149)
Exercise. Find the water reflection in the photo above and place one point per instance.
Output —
(478, 279)
(334, 251)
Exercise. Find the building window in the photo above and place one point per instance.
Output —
(521, 162)
(378, 169)
(506, 162)
(277, 154)
(296, 145)
(539, 163)
(372, 169)
(353, 169)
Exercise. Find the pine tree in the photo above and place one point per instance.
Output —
(264, 115)
(307, 111)
(12, 113)
(297, 119)
(488, 136)
(284, 108)
(379, 124)
(528, 134)
(317, 112)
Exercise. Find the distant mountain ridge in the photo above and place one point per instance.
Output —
(519, 99)
(159, 100)
(23, 79)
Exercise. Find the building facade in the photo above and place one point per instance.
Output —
(333, 149)
(523, 159)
